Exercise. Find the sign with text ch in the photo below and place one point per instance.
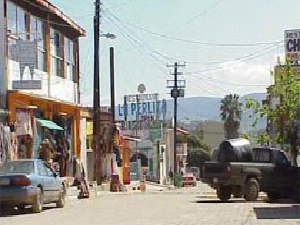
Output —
(292, 44)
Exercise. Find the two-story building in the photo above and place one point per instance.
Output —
(39, 78)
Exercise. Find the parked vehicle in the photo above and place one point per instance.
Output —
(195, 171)
(243, 171)
(189, 179)
(30, 182)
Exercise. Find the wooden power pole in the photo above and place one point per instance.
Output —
(96, 103)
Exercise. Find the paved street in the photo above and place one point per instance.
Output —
(175, 208)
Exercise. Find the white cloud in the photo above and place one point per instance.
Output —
(232, 77)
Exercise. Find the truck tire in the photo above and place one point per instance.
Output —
(251, 189)
(224, 193)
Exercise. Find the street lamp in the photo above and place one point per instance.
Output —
(108, 35)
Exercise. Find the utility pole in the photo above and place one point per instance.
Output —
(96, 103)
(112, 84)
(177, 91)
(112, 102)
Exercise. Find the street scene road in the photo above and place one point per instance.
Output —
(174, 208)
(162, 112)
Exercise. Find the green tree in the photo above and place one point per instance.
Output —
(198, 151)
(262, 138)
(284, 115)
(195, 141)
(230, 112)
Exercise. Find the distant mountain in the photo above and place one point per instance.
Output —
(208, 108)
(197, 108)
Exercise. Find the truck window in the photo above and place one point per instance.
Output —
(281, 159)
(262, 155)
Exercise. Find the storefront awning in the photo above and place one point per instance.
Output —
(49, 124)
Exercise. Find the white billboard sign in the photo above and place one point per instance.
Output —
(292, 44)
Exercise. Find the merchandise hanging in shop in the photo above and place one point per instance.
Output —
(8, 148)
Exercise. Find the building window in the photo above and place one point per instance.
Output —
(56, 53)
(12, 17)
(37, 33)
(40, 35)
(69, 59)
(17, 19)
(21, 17)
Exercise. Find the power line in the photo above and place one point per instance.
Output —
(230, 83)
(197, 16)
(251, 55)
(240, 59)
(133, 40)
(122, 4)
(193, 41)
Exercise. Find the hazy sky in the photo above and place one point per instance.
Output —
(229, 46)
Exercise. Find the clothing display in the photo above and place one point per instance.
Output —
(7, 148)
(23, 124)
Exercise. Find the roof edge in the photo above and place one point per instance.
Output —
(59, 13)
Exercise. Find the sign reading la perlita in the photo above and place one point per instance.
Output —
(292, 44)
(141, 106)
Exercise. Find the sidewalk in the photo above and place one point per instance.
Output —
(202, 190)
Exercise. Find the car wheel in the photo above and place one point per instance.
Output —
(62, 198)
(37, 206)
(251, 189)
(224, 193)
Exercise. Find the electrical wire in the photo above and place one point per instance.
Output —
(122, 4)
(197, 16)
(245, 58)
(134, 41)
(251, 55)
(192, 41)
(230, 83)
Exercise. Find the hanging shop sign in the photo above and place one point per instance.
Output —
(292, 44)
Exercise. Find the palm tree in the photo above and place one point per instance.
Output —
(230, 112)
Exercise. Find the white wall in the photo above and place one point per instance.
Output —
(61, 89)
(14, 75)
(3, 81)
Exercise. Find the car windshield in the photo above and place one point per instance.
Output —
(17, 167)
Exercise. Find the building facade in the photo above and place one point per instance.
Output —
(212, 133)
(39, 76)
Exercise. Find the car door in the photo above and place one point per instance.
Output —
(54, 183)
(45, 181)
(283, 173)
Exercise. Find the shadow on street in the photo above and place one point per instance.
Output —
(219, 201)
(289, 212)
(17, 212)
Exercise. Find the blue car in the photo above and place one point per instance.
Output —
(30, 182)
